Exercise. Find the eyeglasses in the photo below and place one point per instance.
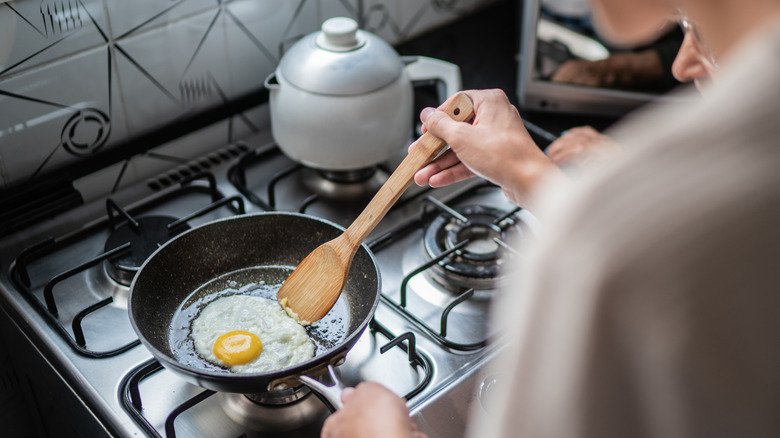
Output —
(690, 28)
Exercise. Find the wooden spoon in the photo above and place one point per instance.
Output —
(315, 285)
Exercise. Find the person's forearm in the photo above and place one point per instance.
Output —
(527, 178)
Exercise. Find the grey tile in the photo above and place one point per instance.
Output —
(36, 32)
(131, 17)
(169, 71)
(57, 114)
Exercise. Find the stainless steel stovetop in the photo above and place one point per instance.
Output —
(439, 252)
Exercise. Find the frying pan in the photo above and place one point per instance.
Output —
(197, 266)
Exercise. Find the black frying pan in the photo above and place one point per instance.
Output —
(187, 271)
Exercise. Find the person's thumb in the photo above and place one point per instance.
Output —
(347, 393)
(438, 123)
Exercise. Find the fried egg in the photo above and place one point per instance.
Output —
(249, 334)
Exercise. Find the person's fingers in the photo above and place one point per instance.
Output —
(579, 132)
(444, 171)
(416, 433)
(330, 425)
(441, 125)
(558, 148)
(572, 143)
(556, 153)
(555, 147)
(565, 156)
(370, 410)
(584, 131)
(581, 72)
(566, 72)
(564, 149)
(456, 173)
(578, 144)
(428, 110)
(346, 393)
(487, 103)
(445, 161)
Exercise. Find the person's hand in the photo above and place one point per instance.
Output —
(584, 72)
(496, 146)
(641, 69)
(370, 411)
(582, 145)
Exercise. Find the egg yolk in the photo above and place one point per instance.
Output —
(237, 347)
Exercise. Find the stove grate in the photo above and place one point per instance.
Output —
(237, 176)
(48, 308)
(425, 217)
(130, 392)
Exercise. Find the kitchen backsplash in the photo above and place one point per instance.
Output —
(78, 77)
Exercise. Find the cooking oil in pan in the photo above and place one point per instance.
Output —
(262, 281)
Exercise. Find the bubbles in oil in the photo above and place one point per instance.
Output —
(264, 282)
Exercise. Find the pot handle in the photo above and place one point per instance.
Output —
(271, 83)
(330, 393)
(421, 68)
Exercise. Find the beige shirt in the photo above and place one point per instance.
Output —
(652, 305)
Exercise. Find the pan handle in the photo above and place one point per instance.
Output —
(332, 394)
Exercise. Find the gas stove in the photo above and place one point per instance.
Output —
(65, 283)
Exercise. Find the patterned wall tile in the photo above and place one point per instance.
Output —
(81, 76)
(383, 18)
(129, 17)
(420, 16)
(304, 20)
(171, 70)
(257, 33)
(33, 32)
(214, 56)
(380, 17)
(54, 115)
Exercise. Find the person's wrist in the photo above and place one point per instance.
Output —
(525, 176)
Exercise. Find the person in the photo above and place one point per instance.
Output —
(649, 307)
(584, 145)
(645, 69)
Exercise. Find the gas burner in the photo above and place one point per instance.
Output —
(478, 264)
(348, 176)
(344, 185)
(145, 236)
(292, 409)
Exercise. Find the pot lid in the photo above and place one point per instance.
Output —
(341, 60)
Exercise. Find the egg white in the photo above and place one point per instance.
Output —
(285, 342)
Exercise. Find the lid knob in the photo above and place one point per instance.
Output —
(339, 34)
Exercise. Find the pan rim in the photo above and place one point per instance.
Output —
(200, 374)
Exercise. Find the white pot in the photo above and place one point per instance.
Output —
(341, 98)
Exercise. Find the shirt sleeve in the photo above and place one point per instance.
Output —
(646, 319)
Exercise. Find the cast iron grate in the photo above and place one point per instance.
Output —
(130, 392)
(425, 216)
(48, 308)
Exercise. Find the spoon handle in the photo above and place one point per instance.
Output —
(428, 147)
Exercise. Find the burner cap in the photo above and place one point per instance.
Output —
(348, 176)
(478, 264)
(303, 413)
(151, 233)
(345, 185)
